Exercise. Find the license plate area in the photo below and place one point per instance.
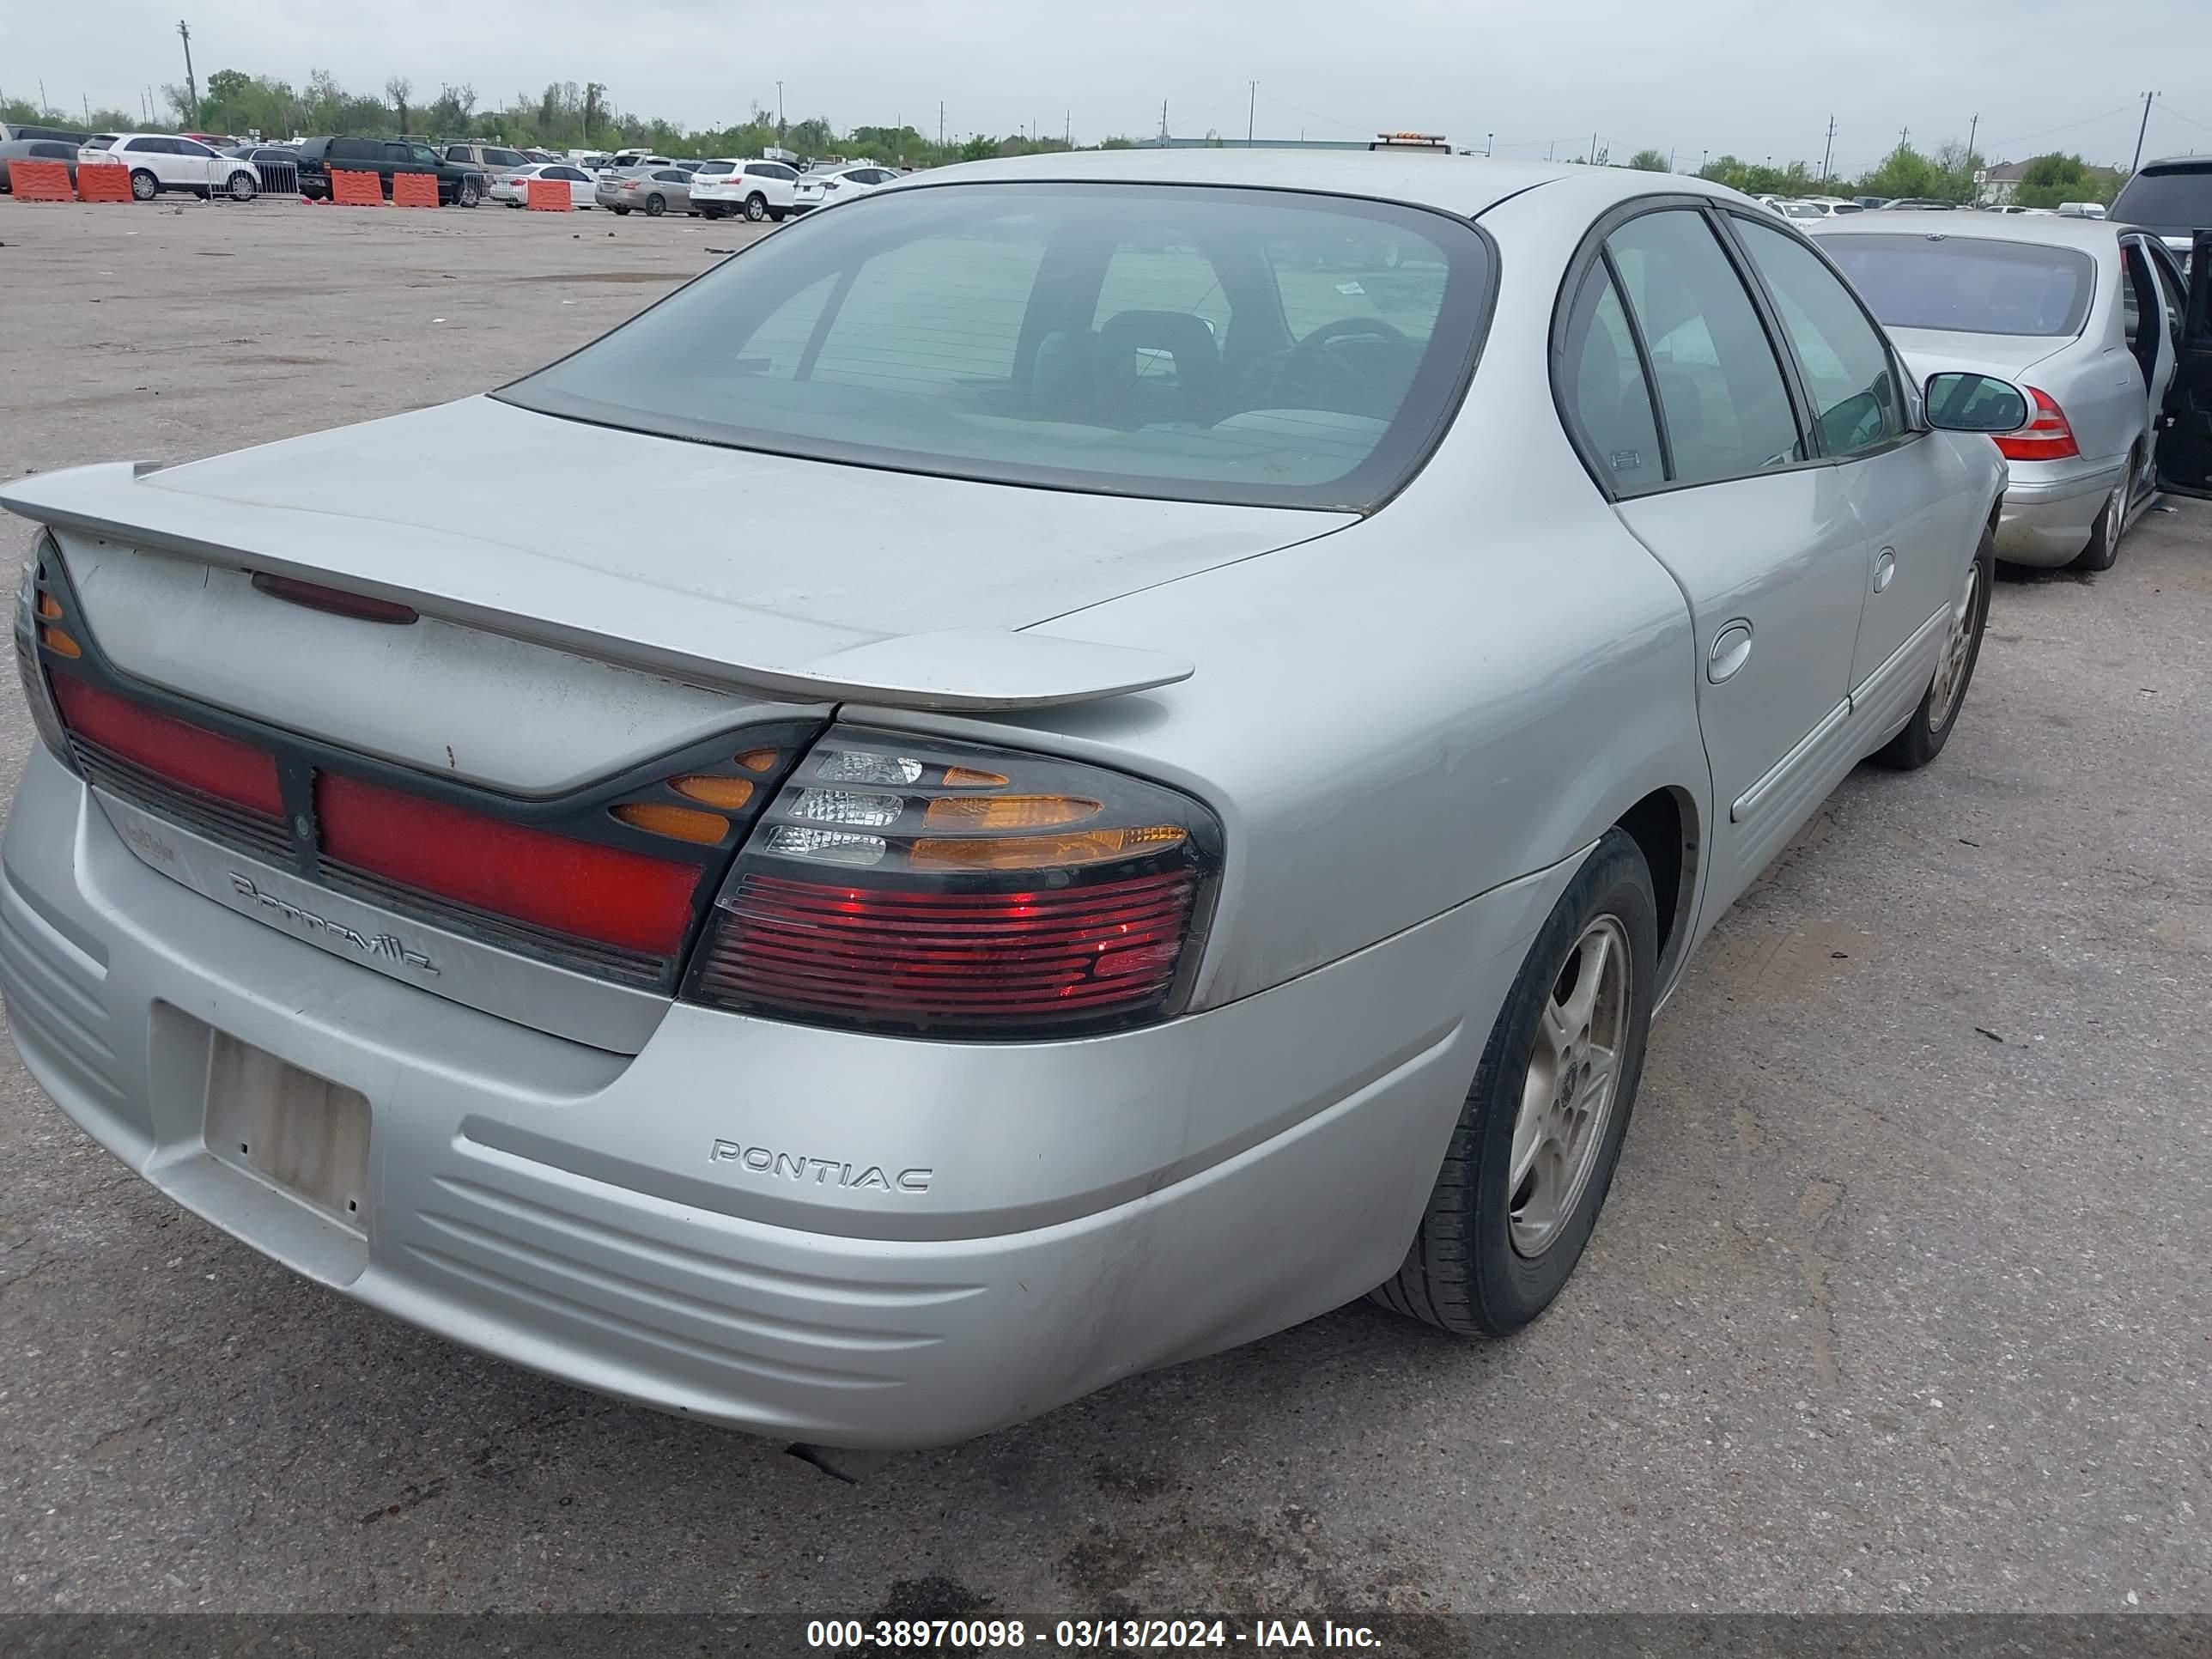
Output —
(303, 1134)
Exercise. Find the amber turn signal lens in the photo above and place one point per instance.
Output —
(728, 793)
(1043, 852)
(758, 760)
(680, 822)
(49, 607)
(967, 777)
(60, 643)
(1008, 811)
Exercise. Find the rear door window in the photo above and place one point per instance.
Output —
(1721, 389)
(1603, 391)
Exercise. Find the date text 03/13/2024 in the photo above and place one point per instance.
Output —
(1082, 1635)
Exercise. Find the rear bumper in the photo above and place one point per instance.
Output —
(1051, 1216)
(2046, 521)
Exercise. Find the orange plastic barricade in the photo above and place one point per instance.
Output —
(43, 181)
(105, 183)
(414, 190)
(352, 189)
(551, 196)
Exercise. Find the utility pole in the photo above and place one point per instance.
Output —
(940, 123)
(1067, 120)
(1974, 126)
(1163, 124)
(1593, 148)
(1550, 144)
(1251, 113)
(1828, 153)
(779, 112)
(192, 86)
(1488, 140)
(2132, 166)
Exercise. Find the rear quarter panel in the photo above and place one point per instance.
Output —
(1468, 686)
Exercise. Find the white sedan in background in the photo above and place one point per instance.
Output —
(822, 188)
(514, 188)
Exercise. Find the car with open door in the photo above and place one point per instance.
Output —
(2185, 440)
(1094, 792)
(2083, 314)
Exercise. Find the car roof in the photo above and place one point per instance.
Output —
(2052, 231)
(2178, 164)
(1463, 184)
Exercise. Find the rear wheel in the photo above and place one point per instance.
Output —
(244, 186)
(1532, 1157)
(709, 210)
(2103, 551)
(756, 207)
(1929, 728)
(620, 212)
(470, 191)
(144, 185)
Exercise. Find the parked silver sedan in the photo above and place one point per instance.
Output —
(1099, 792)
(2085, 315)
(650, 190)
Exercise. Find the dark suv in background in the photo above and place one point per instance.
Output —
(2171, 197)
(459, 184)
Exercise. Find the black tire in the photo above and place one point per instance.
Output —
(1463, 1272)
(620, 212)
(756, 207)
(1924, 737)
(144, 185)
(778, 214)
(655, 205)
(2103, 551)
(708, 211)
(471, 193)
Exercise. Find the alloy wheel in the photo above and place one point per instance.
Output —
(1958, 646)
(1573, 1075)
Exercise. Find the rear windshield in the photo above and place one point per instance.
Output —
(1968, 284)
(2178, 200)
(1202, 344)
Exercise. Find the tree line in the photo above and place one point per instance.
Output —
(566, 116)
(1946, 175)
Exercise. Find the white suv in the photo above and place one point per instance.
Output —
(758, 190)
(159, 161)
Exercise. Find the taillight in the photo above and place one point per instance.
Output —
(177, 752)
(910, 885)
(571, 886)
(36, 609)
(2048, 437)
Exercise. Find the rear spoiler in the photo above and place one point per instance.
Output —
(965, 670)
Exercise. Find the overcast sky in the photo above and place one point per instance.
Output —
(1752, 76)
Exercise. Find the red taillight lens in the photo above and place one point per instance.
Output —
(576, 887)
(850, 906)
(2048, 437)
(906, 956)
(189, 755)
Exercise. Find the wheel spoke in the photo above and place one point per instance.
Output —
(1596, 955)
(1530, 1131)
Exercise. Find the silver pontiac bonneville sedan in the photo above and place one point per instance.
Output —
(1116, 788)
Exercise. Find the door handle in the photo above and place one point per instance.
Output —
(1884, 568)
(1731, 646)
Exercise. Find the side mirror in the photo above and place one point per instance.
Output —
(1974, 403)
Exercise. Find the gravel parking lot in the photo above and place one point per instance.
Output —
(1901, 1300)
